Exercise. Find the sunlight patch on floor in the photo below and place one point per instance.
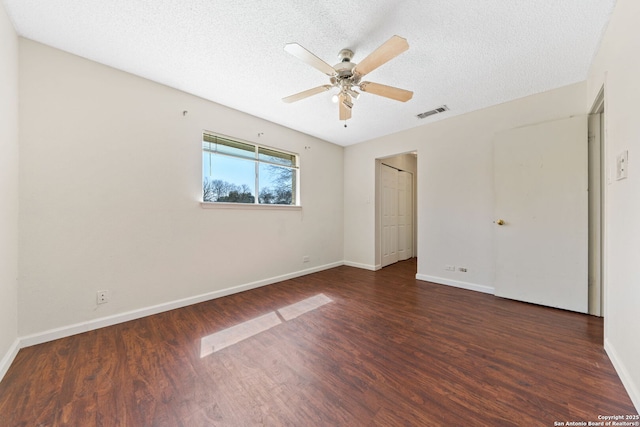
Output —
(294, 310)
(234, 334)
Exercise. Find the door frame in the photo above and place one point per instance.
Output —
(598, 247)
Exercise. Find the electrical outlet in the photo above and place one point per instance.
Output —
(450, 267)
(102, 297)
(305, 258)
(462, 269)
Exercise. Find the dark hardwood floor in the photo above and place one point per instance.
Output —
(386, 350)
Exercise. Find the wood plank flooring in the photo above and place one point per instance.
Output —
(387, 350)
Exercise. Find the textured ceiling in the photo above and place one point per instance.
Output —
(463, 53)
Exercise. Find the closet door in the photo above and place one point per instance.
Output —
(389, 214)
(405, 220)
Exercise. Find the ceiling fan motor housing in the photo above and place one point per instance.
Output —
(344, 68)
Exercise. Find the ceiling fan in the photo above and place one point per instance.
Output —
(347, 75)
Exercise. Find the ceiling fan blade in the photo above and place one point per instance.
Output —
(307, 93)
(345, 106)
(386, 91)
(304, 55)
(389, 50)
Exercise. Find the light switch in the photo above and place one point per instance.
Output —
(621, 165)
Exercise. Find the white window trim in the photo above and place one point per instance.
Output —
(263, 206)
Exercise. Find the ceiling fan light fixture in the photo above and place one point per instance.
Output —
(335, 98)
(353, 93)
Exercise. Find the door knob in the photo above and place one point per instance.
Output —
(500, 222)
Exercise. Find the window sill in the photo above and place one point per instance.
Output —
(249, 206)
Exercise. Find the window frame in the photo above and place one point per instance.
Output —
(295, 191)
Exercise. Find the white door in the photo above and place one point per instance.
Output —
(405, 214)
(389, 211)
(540, 175)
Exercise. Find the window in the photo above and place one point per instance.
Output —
(238, 172)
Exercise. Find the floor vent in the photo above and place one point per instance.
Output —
(438, 110)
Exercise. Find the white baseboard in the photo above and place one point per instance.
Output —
(363, 266)
(8, 358)
(77, 328)
(627, 381)
(456, 283)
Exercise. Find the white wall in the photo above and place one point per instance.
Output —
(110, 183)
(8, 191)
(455, 185)
(617, 66)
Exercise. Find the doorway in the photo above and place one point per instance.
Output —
(512, 275)
(541, 213)
(396, 209)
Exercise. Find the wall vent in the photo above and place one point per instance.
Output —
(440, 109)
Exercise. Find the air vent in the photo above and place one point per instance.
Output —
(438, 110)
